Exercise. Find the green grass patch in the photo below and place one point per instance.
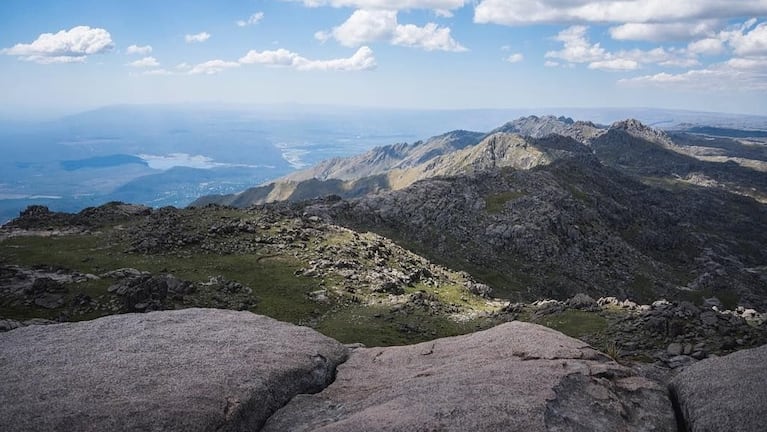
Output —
(497, 202)
(730, 299)
(378, 326)
(575, 323)
(280, 294)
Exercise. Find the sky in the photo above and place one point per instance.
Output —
(418, 54)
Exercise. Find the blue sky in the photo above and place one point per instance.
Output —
(688, 54)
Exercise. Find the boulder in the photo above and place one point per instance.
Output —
(724, 393)
(186, 370)
(514, 377)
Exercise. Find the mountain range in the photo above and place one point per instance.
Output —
(547, 207)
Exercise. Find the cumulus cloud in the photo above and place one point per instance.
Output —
(661, 32)
(139, 50)
(212, 67)
(253, 19)
(736, 74)
(520, 12)
(195, 38)
(436, 5)
(708, 46)
(578, 49)
(366, 26)
(363, 59)
(515, 58)
(145, 62)
(66, 46)
(748, 43)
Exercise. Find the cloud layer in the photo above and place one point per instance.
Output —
(438, 5)
(522, 12)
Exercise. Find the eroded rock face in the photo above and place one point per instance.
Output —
(514, 377)
(186, 370)
(725, 393)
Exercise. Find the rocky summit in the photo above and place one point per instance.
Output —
(514, 377)
(213, 369)
(203, 369)
(188, 370)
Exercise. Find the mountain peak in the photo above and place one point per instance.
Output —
(639, 130)
(536, 127)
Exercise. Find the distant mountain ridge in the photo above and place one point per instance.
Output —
(523, 143)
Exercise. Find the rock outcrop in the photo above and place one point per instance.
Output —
(186, 370)
(210, 369)
(516, 377)
(725, 393)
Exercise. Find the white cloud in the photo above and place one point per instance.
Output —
(435, 5)
(549, 63)
(366, 26)
(183, 66)
(212, 67)
(519, 12)
(659, 32)
(66, 46)
(708, 46)
(363, 59)
(279, 57)
(429, 37)
(736, 74)
(199, 37)
(139, 50)
(755, 64)
(578, 49)
(515, 58)
(618, 64)
(145, 62)
(253, 19)
(749, 43)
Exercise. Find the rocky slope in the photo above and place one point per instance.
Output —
(576, 226)
(352, 176)
(56, 266)
(280, 260)
(213, 369)
(204, 369)
(496, 150)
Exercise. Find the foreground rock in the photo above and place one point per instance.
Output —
(724, 394)
(187, 370)
(514, 377)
